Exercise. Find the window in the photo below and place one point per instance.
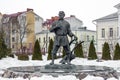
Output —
(13, 39)
(87, 37)
(103, 33)
(111, 32)
(13, 32)
(13, 46)
(44, 40)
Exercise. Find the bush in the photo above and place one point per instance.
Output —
(23, 57)
(4, 51)
(79, 50)
(117, 52)
(50, 50)
(106, 52)
(11, 55)
(37, 55)
(92, 52)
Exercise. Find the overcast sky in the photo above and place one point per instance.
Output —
(85, 10)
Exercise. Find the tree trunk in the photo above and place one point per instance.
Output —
(21, 46)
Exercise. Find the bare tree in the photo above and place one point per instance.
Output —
(112, 40)
(23, 29)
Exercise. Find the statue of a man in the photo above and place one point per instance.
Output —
(61, 28)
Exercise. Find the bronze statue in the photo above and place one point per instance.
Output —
(61, 28)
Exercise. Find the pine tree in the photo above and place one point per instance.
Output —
(50, 49)
(37, 55)
(79, 51)
(4, 51)
(106, 52)
(92, 51)
(117, 52)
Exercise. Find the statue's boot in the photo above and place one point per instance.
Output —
(53, 56)
(68, 59)
(63, 61)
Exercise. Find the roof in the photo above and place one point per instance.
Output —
(50, 21)
(108, 17)
(14, 14)
(117, 6)
(73, 16)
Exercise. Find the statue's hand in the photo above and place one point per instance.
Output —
(55, 27)
(75, 37)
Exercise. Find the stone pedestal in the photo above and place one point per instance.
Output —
(61, 66)
(80, 71)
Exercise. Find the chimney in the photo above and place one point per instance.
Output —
(72, 15)
(29, 9)
(85, 28)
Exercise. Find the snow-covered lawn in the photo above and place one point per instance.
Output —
(13, 62)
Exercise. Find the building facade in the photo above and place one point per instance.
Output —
(20, 29)
(87, 36)
(108, 30)
(118, 13)
(75, 23)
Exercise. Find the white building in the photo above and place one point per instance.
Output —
(87, 36)
(81, 32)
(75, 23)
(118, 15)
(108, 29)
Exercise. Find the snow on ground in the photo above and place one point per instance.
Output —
(13, 62)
